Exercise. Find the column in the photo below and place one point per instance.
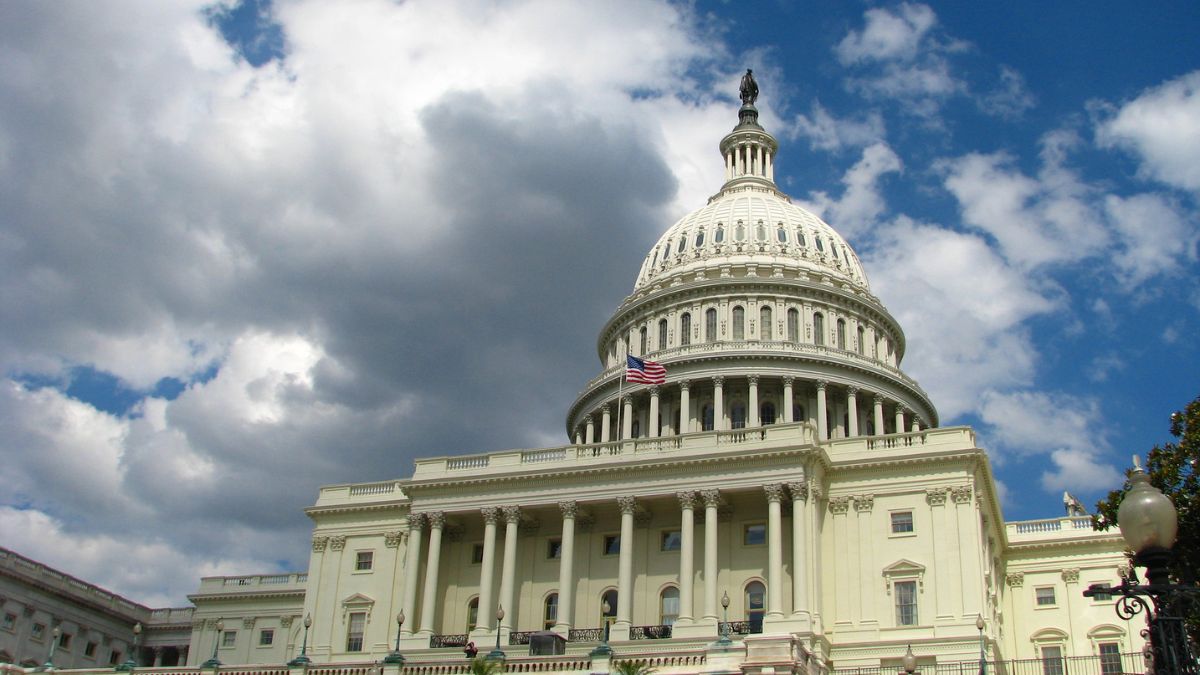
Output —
(788, 402)
(158, 653)
(512, 516)
(712, 499)
(899, 418)
(625, 564)
(429, 604)
(822, 422)
(799, 491)
(719, 403)
(758, 164)
(770, 167)
(627, 423)
(589, 435)
(729, 165)
(605, 423)
(852, 411)
(566, 568)
(653, 421)
(412, 560)
(687, 546)
(484, 616)
(916, 424)
(774, 550)
(752, 413)
(578, 437)
(878, 415)
(685, 408)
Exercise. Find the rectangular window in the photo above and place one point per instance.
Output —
(354, 633)
(10, 621)
(1110, 658)
(363, 560)
(612, 544)
(1045, 596)
(906, 603)
(477, 554)
(1101, 597)
(754, 535)
(671, 540)
(266, 637)
(554, 549)
(89, 650)
(64, 641)
(1052, 661)
(902, 522)
(114, 657)
(229, 638)
(37, 631)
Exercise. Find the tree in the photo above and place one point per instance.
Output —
(481, 665)
(1173, 468)
(632, 668)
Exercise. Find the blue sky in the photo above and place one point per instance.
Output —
(252, 248)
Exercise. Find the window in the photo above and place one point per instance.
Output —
(682, 243)
(699, 238)
(739, 323)
(793, 325)
(841, 334)
(739, 232)
(860, 345)
(635, 429)
(612, 544)
(667, 252)
(781, 234)
(1101, 597)
(906, 603)
(1045, 596)
(670, 540)
(472, 614)
(761, 231)
(550, 611)
(10, 620)
(608, 606)
(710, 325)
(89, 650)
(642, 342)
(668, 606)
(902, 522)
(354, 631)
(738, 415)
(1110, 658)
(38, 630)
(754, 534)
(64, 641)
(766, 413)
(554, 549)
(820, 244)
(800, 238)
(756, 605)
(685, 329)
(1052, 661)
(706, 418)
(819, 328)
(764, 323)
(363, 561)
(477, 554)
(720, 235)
(798, 413)
(229, 638)
(266, 637)
(114, 657)
(662, 334)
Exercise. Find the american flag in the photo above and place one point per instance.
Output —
(640, 371)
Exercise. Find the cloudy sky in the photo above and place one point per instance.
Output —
(250, 249)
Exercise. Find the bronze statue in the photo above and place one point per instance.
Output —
(749, 88)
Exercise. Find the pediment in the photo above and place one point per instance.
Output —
(358, 599)
(904, 566)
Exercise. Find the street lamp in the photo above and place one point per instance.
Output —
(1149, 524)
(213, 662)
(909, 661)
(603, 649)
(131, 662)
(497, 653)
(725, 641)
(396, 657)
(303, 659)
(49, 664)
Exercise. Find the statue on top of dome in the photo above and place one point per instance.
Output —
(748, 88)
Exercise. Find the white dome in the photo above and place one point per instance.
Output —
(752, 224)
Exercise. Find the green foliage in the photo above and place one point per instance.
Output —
(632, 668)
(1173, 468)
(481, 665)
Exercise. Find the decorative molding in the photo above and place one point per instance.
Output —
(799, 490)
(437, 519)
(286, 620)
(904, 570)
(788, 380)
(1071, 575)
(337, 542)
(319, 543)
(392, 539)
(863, 503)
(627, 505)
(753, 380)
(512, 514)
(852, 391)
(822, 384)
(712, 498)
(718, 380)
(774, 493)
(1015, 579)
(212, 623)
(684, 385)
(491, 515)
(416, 522)
(569, 509)
(653, 390)
(248, 622)
(839, 505)
(199, 624)
(961, 494)
(936, 496)
(687, 500)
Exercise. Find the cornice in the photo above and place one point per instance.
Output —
(256, 595)
(395, 504)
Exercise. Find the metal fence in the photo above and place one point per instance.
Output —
(1110, 664)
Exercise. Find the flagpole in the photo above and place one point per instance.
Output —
(620, 394)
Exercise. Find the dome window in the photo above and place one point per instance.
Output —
(710, 325)
(761, 231)
(793, 325)
(667, 252)
(739, 323)
(706, 417)
(820, 245)
(654, 258)
(841, 333)
(764, 330)
(685, 329)
(798, 413)
(738, 415)
(720, 235)
(739, 232)
(662, 334)
(766, 413)
(861, 336)
(699, 238)
(800, 238)
(642, 342)
(781, 234)
(682, 243)
(819, 327)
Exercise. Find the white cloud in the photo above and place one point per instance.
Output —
(887, 35)
(1154, 235)
(861, 204)
(825, 132)
(1010, 98)
(1162, 127)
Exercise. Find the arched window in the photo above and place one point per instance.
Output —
(820, 244)
(819, 328)
(472, 614)
(699, 238)
(798, 413)
(685, 329)
(841, 333)
(767, 413)
(756, 605)
(667, 252)
(710, 325)
(800, 238)
(793, 325)
(550, 611)
(668, 603)
(738, 415)
(739, 323)
(642, 335)
(662, 334)
(861, 334)
(764, 323)
(706, 417)
(739, 232)
(781, 234)
(720, 235)
(654, 258)
(682, 243)
(608, 599)
(761, 231)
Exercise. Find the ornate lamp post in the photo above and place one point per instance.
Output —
(303, 659)
(497, 653)
(725, 641)
(909, 661)
(131, 662)
(1149, 524)
(49, 664)
(603, 649)
(982, 648)
(396, 656)
(213, 662)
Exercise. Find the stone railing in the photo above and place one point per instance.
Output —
(374, 488)
(1115, 664)
(1067, 527)
(249, 582)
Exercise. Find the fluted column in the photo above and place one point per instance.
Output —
(627, 423)
(685, 407)
(852, 411)
(412, 561)
(687, 547)
(774, 550)
(566, 568)
(899, 419)
(605, 423)
(652, 432)
(484, 616)
(589, 434)
(799, 492)
(878, 415)
(429, 604)
(788, 400)
(508, 571)
(916, 424)
(719, 403)
(753, 405)
(822, 416)
(712, 499)
(625, 564)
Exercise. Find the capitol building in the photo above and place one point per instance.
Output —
(785, 500)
